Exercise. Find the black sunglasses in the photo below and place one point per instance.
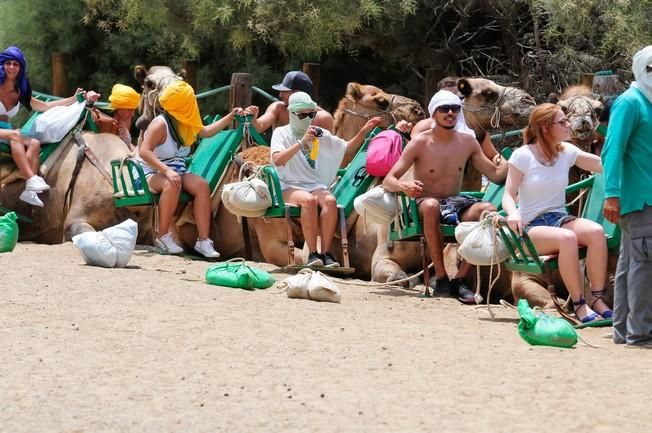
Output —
(447, 108)
(304, 115)
(648, 68)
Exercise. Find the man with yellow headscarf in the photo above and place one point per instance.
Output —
(166, 144)
(123, 101)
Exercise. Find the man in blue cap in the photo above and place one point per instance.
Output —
(277, 113)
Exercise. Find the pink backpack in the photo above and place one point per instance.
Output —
(383, 152)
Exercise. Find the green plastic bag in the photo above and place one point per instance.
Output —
(8, 232)
(539, 329)
(236, 273)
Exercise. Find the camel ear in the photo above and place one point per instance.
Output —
(354, 90)
(464, 86)
(597, 105)
(140, 72)
(182, 74)
(563, 104)
(553, 98)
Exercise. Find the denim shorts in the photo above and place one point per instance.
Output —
(551, 219)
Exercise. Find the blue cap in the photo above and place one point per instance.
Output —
(294, 80)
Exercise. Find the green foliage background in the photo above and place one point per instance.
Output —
(541, 45)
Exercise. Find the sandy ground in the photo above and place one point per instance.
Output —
(153, 348)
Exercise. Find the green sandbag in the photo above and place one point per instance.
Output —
(539, 329)
(239, 275)
(8, 232)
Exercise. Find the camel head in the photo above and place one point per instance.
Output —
(362, 102)
(488, 105)
(583, 112)
(153, 81)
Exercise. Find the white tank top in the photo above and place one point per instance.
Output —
(169, 153)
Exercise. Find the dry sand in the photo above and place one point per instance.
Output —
(153, 348)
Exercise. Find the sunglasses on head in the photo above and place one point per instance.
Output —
(304, 115)
(447, 108)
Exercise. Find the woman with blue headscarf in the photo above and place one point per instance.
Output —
(15, 91)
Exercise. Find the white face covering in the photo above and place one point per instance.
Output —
(299, 126)
(639, 68)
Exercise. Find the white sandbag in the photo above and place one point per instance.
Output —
(112, 247)
(123, 238)
(323, 289)
(481, 246)
(54, 124)
(296, 286)
(463, 229)
(377, 205)
(249, 198)
(96, 249)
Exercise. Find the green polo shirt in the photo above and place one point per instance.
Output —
(627, 153)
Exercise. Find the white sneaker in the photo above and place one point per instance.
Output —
(36, 183)
(31, 197)
(205, 248)
(167, 244)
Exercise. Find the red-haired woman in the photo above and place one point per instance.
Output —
(538, 173)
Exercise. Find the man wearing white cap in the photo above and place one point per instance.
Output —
(438, 157)
(277, 112)
(307, 159)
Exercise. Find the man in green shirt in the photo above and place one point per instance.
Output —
(627, 161)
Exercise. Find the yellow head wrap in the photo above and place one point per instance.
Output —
(178, 100)
(123, 97)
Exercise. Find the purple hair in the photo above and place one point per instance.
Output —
(24, 88)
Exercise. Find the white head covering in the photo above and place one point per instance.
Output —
(444, 97)
(639, 68)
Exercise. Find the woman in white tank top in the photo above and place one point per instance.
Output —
(164, 163)
(538, 173)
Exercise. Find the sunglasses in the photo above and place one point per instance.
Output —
(447, 108)
(648, 68)
(563, 122)
(304, 115)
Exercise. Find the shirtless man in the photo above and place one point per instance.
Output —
(439, 156)
(277, 113)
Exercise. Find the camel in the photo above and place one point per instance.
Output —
(584, 114)
(361, 102)
(90, 195)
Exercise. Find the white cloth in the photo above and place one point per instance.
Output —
(543, 188)
(297, 173)
(444, 97)
(639, 68)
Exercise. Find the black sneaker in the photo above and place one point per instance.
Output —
(462, 292)
(314, 259)
(329, 260)
(441, 287)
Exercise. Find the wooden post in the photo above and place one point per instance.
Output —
(240, 93)
(60, 74)
(312, 70)
(433, 75)
(586, 79)
(191, 72)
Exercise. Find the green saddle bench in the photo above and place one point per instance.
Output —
(350, 182)
(409, 227)
(525, 258)
(209, 161)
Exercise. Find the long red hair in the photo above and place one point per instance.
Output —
(541, 119)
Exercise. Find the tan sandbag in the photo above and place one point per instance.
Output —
(323, 289)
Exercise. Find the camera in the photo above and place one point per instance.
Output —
(318, 132)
